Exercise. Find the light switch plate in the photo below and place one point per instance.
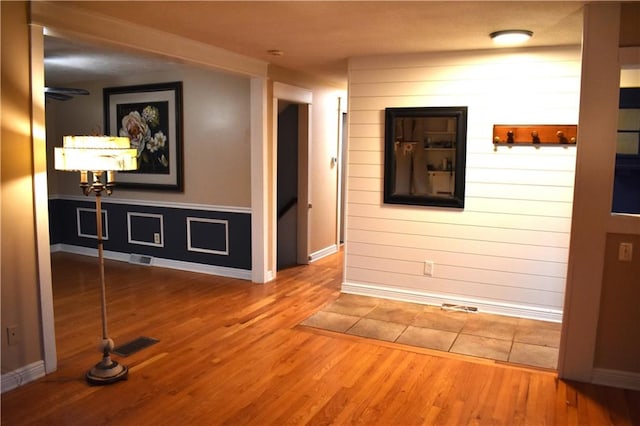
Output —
(428, 268)
(625, 252)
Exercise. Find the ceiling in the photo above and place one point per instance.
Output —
(316, 37)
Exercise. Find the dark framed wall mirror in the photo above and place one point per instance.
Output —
(425, 156)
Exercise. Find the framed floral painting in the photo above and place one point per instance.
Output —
(150, 116)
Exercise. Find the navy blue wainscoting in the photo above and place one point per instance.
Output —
(208, 237)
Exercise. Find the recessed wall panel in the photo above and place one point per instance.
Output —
(86, 222)
(145, 229)
(208, 236)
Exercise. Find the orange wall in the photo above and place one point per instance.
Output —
(617, 345)
(19, 279)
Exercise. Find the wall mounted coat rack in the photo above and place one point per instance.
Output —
(535, 135)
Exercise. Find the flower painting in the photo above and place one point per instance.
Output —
(151, 117)
(145, 125)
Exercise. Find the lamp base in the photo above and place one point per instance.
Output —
(106, 372)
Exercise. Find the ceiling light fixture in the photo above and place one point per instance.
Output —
(511, 37)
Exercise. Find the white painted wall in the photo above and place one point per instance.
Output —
(506, 252)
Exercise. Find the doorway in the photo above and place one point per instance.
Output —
(287, 185)
(290, 162)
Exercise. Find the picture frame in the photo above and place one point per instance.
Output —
(151, 116)
(425, 156)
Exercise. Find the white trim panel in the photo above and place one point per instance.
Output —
(105, 222)
(327, 251)
(22, 376)
(260, 226)
(616, 378)
(190, 247)
(67, 21)
(223, 271)
(166, 204)
(40, 198)
(292, 93)
(425, 298)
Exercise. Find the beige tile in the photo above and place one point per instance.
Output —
(376, 329)
(526, 322)
(494, 326)
(427, 338)
(483, 347)
(331, 321)
(409, 306)
(534, 355)
(358, 299)
(538, 333)
(402, 313)
(438, 319)
(353, 304)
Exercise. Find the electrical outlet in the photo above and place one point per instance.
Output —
(156, 238)
(625, 252)
(13, 335)
(428, 268)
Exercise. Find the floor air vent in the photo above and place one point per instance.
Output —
(461, 308)
(134, 346)
(140, 259)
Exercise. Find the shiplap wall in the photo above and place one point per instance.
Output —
(506, 252)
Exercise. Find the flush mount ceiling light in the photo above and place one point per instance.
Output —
(510, 37)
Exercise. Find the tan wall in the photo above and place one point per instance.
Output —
(617, 345)
(629, 28)
(215, 135)
(19, 279)
(324, 174)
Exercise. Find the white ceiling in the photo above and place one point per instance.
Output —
(317, 37)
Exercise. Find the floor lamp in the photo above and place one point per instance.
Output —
(102, 156)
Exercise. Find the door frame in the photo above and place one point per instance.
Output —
(341, 164)
(41, 199)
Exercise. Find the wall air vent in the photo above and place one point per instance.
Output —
(461, 308)
(140, 259)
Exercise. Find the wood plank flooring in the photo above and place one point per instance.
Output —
(232, 352)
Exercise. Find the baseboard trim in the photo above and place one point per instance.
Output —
(327, 251)
(22, 376)
(162, 204)
(222, 271)
(616, 378)
(269, 276)
(425, 298)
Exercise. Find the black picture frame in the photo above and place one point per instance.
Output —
(425, 156)
(151, 116)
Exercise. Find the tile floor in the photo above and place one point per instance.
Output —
(514, 340)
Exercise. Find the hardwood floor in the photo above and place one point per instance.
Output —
(232, 352)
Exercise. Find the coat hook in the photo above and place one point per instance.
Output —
(510, 136)
(535, 138)
(561, 137)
